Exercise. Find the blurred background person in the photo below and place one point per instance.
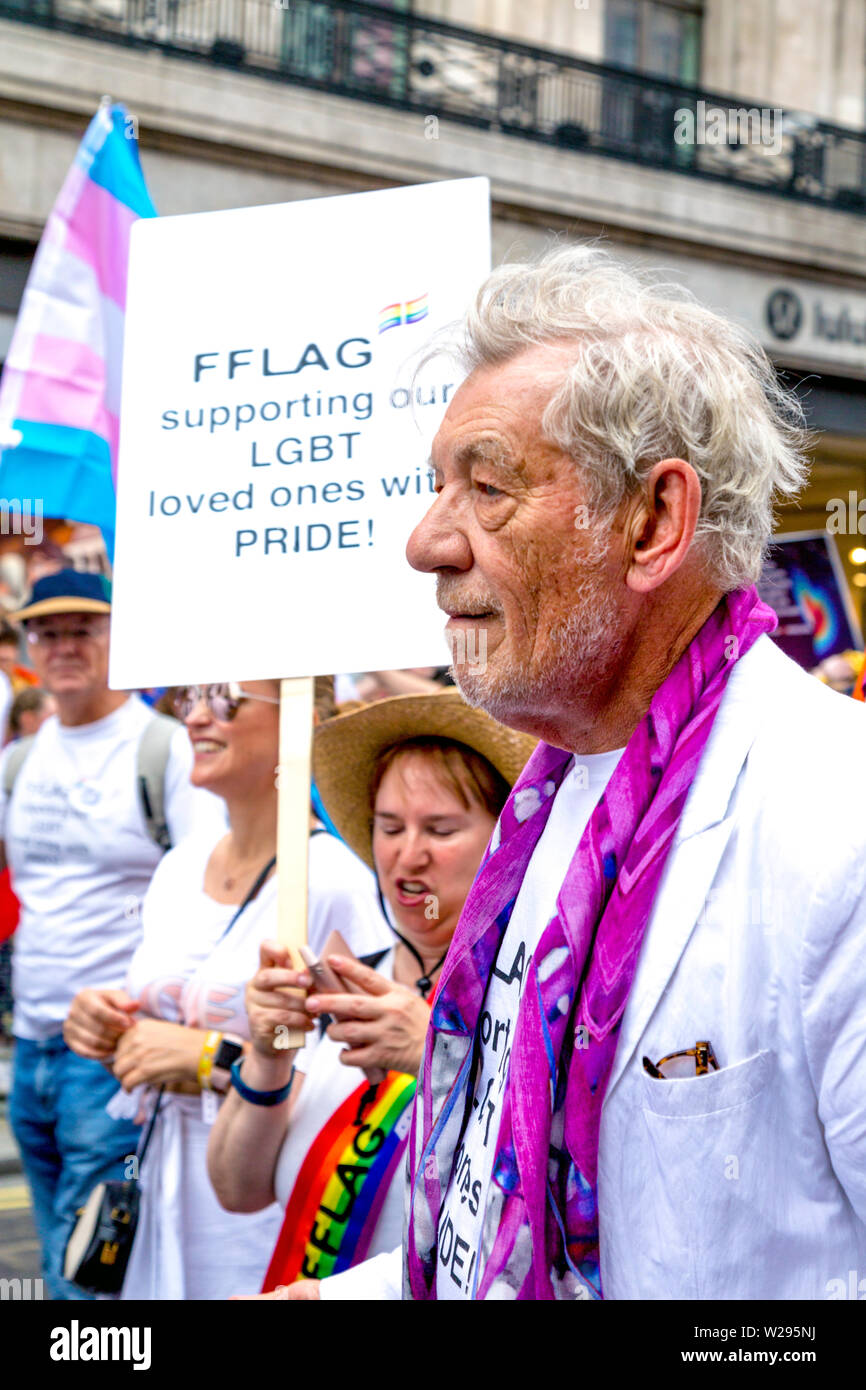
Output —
(841, 671)
(42, 560)
(28, 712)
(86, 811)
(415, 785)
(21, 677)
(418, 680)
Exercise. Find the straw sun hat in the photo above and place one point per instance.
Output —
(346, 749)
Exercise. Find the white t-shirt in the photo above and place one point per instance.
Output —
(342, 897)
(81, 857)
(185, 969)
(189, 970)
(462, 1214)
(327, 1084)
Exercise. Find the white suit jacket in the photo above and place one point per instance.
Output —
(749, 1182)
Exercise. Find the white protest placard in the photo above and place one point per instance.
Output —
(273, 447)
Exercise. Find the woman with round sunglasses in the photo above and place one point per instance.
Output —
(180, 1022)
(414, 784)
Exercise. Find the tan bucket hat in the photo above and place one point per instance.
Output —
(346, 749)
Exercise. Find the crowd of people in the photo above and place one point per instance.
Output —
(143, 850)
(548, 1049)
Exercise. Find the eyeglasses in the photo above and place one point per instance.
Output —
(693, 1061)
(82, 632)
(223, 700)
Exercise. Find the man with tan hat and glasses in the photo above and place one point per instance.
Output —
(87, 808)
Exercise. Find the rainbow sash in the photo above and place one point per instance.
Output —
(343, 1182)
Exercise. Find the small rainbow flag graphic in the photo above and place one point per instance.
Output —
(412, 311)
(416, 309)
(390, 317)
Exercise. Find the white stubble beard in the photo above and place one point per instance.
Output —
(581, 654)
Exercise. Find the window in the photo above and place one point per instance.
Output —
(320, 42)
(660, 37)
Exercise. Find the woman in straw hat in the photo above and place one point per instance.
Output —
(414, 785)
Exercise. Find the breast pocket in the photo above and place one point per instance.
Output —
(707, 1143)
(711, 1094)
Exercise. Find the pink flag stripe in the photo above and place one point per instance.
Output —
(64, 382)
(98, 233)
(78, 313)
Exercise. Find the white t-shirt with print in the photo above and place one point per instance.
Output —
(462, 1214)
(81, 857)
(461, 1217)
(190, 968)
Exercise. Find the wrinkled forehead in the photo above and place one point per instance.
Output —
(504, 398)
(533, 372)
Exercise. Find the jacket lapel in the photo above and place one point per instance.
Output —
(705, 828)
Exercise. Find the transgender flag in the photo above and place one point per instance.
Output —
(60, 391)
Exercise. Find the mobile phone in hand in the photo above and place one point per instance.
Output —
(327, 982)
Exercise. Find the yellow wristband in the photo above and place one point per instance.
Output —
(206, 1060)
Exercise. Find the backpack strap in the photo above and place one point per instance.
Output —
(15, 761)
(154, 749)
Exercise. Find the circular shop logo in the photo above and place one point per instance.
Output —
(784, 313)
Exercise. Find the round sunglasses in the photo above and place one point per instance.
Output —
(223, 700)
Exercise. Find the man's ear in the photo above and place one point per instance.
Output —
(659, 530)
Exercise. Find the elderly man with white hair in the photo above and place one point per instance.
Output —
(645, 1075)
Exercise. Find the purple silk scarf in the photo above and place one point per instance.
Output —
(540, 1236)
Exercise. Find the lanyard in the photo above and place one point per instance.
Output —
(425, 983)
(250, 895)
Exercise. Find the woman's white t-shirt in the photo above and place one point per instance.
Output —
(189, 970)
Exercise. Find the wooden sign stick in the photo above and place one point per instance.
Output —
(293, 818)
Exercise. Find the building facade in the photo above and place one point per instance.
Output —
(722, 142)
